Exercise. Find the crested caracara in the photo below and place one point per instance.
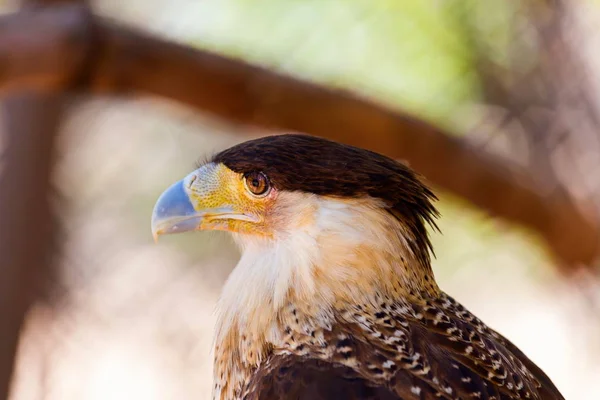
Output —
(334, 296)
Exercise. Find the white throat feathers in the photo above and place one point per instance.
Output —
(329, 251)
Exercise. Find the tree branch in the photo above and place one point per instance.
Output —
(124, 61)
(31, 120)
(25, 219)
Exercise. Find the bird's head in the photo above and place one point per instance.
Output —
(303, 200)
(254, 189)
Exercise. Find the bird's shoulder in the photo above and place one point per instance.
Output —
(429, 350)
(289, 376)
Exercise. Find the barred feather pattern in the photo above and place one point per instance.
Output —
(427, 349)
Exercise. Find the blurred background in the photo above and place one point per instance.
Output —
(128, 318)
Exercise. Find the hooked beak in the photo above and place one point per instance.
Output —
(201, 200)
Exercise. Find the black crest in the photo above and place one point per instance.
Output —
(311, 164)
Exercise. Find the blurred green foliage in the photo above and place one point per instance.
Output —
(414, 54)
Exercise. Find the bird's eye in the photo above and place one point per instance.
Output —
(257, 183)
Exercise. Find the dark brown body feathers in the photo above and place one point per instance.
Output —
(435, 351)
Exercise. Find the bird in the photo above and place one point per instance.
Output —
(334, 296)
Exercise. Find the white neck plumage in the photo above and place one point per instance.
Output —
(335, 250)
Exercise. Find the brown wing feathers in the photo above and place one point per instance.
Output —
(435, 351)
(302, 378)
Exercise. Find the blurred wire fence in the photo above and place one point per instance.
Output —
(126, 318)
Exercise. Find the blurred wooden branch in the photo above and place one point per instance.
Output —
(27, 225)
(52, 49)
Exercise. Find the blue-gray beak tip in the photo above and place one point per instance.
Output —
(173, 211)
